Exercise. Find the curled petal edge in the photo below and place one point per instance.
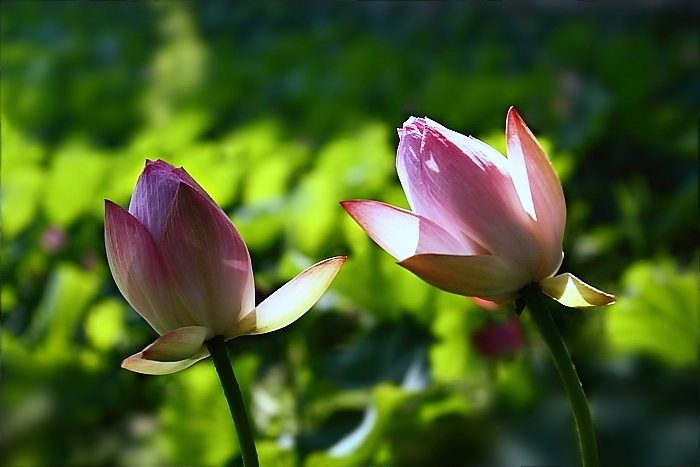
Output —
(571, 291)
(171, 352)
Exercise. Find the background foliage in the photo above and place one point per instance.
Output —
(282, 110)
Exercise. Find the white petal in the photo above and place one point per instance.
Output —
(138, 364)
(296, 297)
(402, 233)
(539, 189)
(179, 344)
(571, 291)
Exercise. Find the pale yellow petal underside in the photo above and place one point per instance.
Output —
(571, 291)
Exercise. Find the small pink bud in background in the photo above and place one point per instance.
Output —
(485, 304)
(53, 239)
(497, 339)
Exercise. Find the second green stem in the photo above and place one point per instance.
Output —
(232, 391)
(535, 301)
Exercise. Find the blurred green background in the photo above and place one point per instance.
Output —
(280, 110)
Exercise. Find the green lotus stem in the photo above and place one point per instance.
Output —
(535, 302)
(232, 391)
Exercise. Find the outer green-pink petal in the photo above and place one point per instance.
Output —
(489, 277)
(296, 297)
(180, 344)
(539, 189)
(571, 291)
(137, 363)
(139, 271)
(402, 233)
(154, 193)
(209, 260)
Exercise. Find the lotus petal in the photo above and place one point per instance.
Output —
(402, 233)
(209, 260)
(489, 277)
(176, 345)
(296, 297)
(539, 189)
(139, 271)
(571, 291)
(139, 364)
(465, 186)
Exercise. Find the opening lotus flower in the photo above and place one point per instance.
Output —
(182, 265)
(481, 224)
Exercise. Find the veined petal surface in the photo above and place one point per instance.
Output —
(464, 185)
(296, 297)
(138, 364)
(140, 272)
(209, 260)
(154, 193)
(180, 344)
(539, 189)
(402, 233)
(571, 291)
(489, 277)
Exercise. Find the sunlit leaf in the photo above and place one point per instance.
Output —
(18, 150)
(360, 164)
(515, 383)
(73, 182)
(251, 143)
(656, 314)
(260, 225)
(452, 357)
(8, 297)
(206, 163)
(359, 447)
(104, 323)
(314, 212)
(55, 326)
(121, 178)
(21, 179)
(267, 180)
(22, 188)
(272, 454)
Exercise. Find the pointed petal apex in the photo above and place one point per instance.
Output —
(571, 291)
(538, 187)
(180, 344)
(138, 364)
(297, 296)
(515, 127)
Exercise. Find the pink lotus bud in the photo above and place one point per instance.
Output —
(497, 340)
(182, 265)
(480, 224)
(53, 239)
